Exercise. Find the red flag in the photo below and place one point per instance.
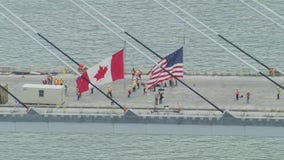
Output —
(109, 70)
(83, 83)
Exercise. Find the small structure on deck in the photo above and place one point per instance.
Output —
(43, 94)
(3, 94)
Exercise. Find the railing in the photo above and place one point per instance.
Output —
(194, 71)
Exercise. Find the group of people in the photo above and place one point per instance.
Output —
(159, 96)
(49, 80)
(248, 95)
(237, 93)
(136, 83)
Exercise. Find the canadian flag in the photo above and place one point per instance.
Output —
(109, 70)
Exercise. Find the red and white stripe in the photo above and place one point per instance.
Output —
(158, 75)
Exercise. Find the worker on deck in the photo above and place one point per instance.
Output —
(237, 93)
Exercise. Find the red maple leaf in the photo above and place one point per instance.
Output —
(101, 72)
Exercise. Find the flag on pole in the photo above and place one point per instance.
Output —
(108, 70)
(82, 83)
(173, 63)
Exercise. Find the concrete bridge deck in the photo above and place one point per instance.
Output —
(217, 89)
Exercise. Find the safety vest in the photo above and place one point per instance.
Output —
(109, 89)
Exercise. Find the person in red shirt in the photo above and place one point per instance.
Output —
(237, 93)
(248, 96)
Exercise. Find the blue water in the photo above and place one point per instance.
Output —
(88, 42)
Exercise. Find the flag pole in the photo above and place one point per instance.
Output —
(231, 43)
(219, 109)
(124, 48)
(190, 15)
(182, 82)
(182, 19)
(120, 106)
(115, 33)
(29, 109)
(50, 50)
(58, 49)
(184, 29)
(33, 38)
(41, 36)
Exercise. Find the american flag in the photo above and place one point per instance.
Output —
(173, 63)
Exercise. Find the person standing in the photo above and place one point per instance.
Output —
(237, 93)
(161, 94)
(156, 98)
(92, 90)
(138, 83)
(176, 81)
(49, 79)
(171, 81)
(144, 87)
(109, 93)
(129, 91)
(139, 74)
(61, 82)
(248, 96)
(278, 93)
(56, 81)
(78, 94)
(44, 81)
(65, 88)
(133, 73)
(134, 85)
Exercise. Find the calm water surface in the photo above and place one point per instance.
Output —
(88, 42)
(73, 146)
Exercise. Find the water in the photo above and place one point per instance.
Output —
(73, 146)
(88, 42)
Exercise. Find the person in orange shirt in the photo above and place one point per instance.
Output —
(109, 91)
(56, 81)
(139, 73)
